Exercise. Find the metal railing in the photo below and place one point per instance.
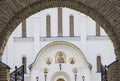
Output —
(18, 74)
(104, 73)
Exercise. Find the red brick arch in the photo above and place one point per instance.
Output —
(104, 12)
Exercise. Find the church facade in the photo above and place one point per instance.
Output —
(59, 44)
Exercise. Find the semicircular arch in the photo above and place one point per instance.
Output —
(61, 43)
(62, 75)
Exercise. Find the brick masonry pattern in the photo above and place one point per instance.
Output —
(105, 12)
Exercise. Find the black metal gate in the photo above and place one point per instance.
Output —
(18, 74)
(104, 73)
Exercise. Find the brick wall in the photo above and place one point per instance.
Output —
(105, 12)
(114, 71)
(4, 72)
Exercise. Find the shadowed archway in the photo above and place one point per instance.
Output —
(104, 12)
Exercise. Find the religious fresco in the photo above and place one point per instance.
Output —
(60, 57)
(48, 61)
(72, 60)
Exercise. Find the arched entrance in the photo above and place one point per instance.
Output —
(60, 76)
(106, 13)
(60, 79)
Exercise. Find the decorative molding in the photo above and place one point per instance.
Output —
(20, 39)
(67, 38)
(75, 38)
(98, 38)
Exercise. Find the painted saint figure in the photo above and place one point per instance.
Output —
(48, 61)
(60, 57)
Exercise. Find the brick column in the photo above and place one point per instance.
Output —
(4, 72)
(114, 71)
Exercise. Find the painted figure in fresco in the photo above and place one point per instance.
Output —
(72, 61)
(48, 61)
(60, 58)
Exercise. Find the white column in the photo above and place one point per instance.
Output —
(83, 34)
(36, 26)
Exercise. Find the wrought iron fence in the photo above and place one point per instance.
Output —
(18, 74)
(104, 73)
